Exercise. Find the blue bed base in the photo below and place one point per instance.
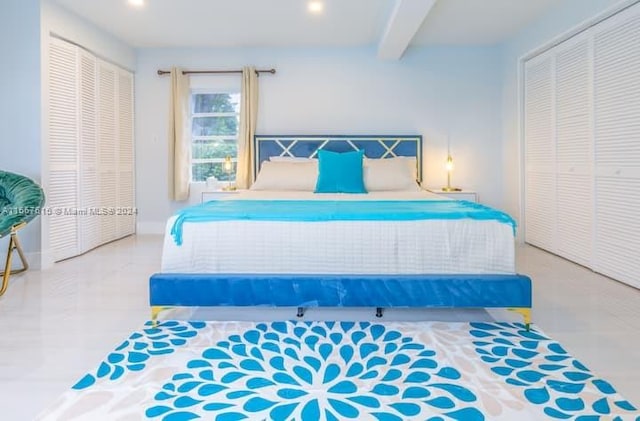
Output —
(304, 290)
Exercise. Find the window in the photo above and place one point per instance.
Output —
(214, 134)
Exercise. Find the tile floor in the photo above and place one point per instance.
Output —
(56, 325)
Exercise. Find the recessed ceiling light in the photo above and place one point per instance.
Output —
(136, 3)
(315, 6)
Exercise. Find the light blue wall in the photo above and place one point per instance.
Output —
(20, 87)
(20, 116)
(431, 91)
(566, 15)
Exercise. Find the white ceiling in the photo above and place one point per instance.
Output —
(465, 22)
(286, 23)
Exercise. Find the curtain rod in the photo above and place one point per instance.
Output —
(188, 72)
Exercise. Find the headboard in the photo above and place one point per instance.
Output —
(308, 146)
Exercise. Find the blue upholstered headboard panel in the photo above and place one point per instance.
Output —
(308, 146)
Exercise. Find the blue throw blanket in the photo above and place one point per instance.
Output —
(325, 210)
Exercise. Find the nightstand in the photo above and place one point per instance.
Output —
(217, 194)
(467, 195)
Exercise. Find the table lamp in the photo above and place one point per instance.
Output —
(228, 168)
(449, 167)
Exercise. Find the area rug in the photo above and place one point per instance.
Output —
(340, 370)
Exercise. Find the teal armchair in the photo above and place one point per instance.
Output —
(21, 200)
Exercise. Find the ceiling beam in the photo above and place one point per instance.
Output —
(405, 20)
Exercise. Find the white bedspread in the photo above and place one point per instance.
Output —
(367, 247)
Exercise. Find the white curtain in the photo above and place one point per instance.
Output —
(179, 139)
(248, 118)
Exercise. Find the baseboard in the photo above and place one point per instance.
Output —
(46, 259)
(37, 260)
(150, 227)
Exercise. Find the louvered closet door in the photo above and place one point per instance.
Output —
(540, 205)
(107, 148)
(89, 184)
(617, 146)
(574, 175)
(125, 173)
(63, 148)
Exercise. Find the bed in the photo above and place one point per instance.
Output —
(281, 244)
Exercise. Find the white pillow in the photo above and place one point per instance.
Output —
(295, 159)
(390, 174)
(287, 175)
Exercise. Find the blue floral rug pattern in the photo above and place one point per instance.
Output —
(340, 370)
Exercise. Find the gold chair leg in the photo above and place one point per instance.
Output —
(14, 244)
(525, 312)
(7, 272)
(155, 311)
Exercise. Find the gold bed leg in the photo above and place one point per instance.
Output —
(525, 312)
(14, 244)
(155, 311)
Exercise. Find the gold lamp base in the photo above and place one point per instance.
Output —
(228, 168)
(451, 189)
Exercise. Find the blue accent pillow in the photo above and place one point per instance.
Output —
(340, 172)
